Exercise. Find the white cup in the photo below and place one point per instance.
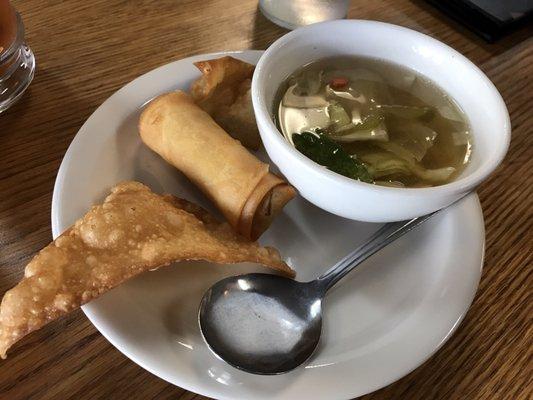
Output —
(455, 74)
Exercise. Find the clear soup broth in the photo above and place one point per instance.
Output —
(374, 121)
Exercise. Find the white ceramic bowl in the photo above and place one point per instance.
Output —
(460, 78)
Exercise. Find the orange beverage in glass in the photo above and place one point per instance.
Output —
(17, 63)
(8, 23)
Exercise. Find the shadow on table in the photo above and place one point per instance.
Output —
(35, 133)
(264, 31)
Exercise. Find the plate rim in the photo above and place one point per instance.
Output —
(182, 381)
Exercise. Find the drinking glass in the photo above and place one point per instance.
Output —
(17, 63)
(292, 14)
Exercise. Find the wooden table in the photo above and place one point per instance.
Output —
(86, 50)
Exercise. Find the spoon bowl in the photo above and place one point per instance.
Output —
(282, 319)
(267, 324)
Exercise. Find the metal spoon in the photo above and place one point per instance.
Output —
(268, 324)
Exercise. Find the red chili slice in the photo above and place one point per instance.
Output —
(338, 83)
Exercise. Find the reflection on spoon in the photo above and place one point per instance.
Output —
(268, 324)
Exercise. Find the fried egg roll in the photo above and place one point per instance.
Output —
(240, 185)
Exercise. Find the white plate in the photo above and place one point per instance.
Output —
(381, 322)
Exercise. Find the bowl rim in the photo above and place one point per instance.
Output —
(264, 118)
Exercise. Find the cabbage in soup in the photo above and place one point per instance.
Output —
(374, 121)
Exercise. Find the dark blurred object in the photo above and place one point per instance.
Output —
(491, 19)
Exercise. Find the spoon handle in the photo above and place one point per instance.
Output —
(385, 235)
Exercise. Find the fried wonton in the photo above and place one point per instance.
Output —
(133, 231)
(224, 92)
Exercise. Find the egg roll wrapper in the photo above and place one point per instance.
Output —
(188, 138)
(267, 200)
(133, 231)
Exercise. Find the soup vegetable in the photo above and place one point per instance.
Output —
(374, 121)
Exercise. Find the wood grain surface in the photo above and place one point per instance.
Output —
(86, 50)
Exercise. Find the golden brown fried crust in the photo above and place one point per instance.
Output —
(239, 184)
(133, 231)
(223, 91)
